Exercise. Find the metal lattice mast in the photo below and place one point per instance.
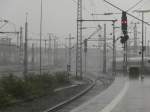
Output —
(79, 40)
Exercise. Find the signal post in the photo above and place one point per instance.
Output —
(124, 38)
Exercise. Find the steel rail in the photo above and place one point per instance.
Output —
(62, 104)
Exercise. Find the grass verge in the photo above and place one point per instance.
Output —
(15, 89)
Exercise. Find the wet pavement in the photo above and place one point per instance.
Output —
(123, 95)
(98, 102)
(137, 98)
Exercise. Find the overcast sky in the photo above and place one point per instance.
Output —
(60, 15)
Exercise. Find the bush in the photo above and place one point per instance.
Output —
(14, 86)
(5, 99)
(61, 77)
(38, 84)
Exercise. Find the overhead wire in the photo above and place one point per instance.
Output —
(92, 3)
(82, 6)
(85, 9)
(142, 4)
(139, 9)
(134, 5)
(8, 22)
(93, 6)
(127, 12)
(2, 20)
(3, 25)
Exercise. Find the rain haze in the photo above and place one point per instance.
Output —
(59, 16)
(74, 56)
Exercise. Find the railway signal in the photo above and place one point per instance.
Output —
(124, 39)
(124, 23)
(124, 27)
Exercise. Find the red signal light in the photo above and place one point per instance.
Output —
(124, 22)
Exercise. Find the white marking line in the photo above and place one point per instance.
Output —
(116, 100)
(63, 88)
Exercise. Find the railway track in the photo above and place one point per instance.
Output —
(62, 104)
(94, 86)
(82, 93)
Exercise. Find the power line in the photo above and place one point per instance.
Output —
(142, 4)
(127, 12)
(135, 5)
(8, 22)
(3, 25)
(84, 8)
(92, 5)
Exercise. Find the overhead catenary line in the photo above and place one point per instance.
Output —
(89, 37)
(96, 31)
(3, 25)
(82, 7)
(92, 6)
(6, 22)
(134, 5)
(126, 12)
